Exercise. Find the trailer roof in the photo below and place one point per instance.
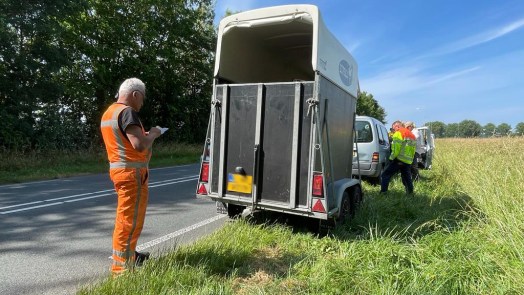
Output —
(289, 42)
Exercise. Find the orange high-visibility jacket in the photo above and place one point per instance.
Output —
(120, 152)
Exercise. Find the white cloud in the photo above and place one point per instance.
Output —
(478, 39)
(488, 91)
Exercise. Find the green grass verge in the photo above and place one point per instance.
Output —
(460, 234)
(20, 167)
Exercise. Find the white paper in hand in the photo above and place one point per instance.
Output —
(162, 130)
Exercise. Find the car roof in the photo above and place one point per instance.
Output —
(368, 118)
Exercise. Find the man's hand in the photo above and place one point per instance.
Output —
(155, 131)
(139, 140)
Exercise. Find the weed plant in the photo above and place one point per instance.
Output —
(461, 233)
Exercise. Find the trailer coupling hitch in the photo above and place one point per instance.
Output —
(311, 103)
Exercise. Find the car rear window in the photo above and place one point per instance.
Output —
(364, 132)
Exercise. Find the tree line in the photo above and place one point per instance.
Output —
(61, 63)
(367, 105)
(471, 128)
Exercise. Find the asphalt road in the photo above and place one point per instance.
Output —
(55, 236)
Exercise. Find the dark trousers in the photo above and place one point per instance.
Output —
(391, 169)
(414, 167)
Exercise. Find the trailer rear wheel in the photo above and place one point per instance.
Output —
(233, 211)
(347, 207)
(356, 192)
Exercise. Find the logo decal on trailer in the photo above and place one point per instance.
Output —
(346, 72)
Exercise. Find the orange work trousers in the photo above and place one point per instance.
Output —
(131, 185)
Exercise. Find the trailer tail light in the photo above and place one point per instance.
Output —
(375, 157)
(202, 190)
(318, 207)
(204, 172)
(318, 185)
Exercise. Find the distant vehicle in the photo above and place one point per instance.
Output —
(373, 148)
(282, 112)
(427, 147)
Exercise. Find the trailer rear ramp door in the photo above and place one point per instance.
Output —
(267, 129)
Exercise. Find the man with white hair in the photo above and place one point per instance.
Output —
(128, 148)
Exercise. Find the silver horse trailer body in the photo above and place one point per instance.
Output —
(280, 134)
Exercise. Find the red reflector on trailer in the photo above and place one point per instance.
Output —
(202, 189)
(318, 207)
(204, 172)
(318, 185)
(375, 157)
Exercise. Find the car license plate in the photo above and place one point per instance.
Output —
(239, 183)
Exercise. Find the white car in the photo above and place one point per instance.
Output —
(426, 141)
(373, 148)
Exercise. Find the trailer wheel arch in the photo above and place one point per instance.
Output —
(346, 185)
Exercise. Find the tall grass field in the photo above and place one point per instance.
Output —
(461, 233)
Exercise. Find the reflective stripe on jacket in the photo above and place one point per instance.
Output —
(120, 152)
(403, 146)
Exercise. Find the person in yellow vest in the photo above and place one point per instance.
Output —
(128, 148)
(402, 153)
(415, 175)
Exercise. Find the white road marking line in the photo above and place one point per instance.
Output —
(13, 206)
(156, 185)
(33, 207)
(24, 184)
(87, 198)
(153, 184)
(178, 233)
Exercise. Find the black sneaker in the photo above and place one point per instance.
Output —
(140, 258)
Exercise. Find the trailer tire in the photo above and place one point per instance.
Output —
(356, 193)
(234, 211)
(347, 207)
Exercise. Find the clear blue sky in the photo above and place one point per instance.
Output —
(430, 60)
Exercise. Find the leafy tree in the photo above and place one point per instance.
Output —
(503, 129)
(519, 129)
(438, 128)
(489, 130)
(31, 55)
(469, 128)
(61, 63)
(167, 44)
(368, 106)
(452, 130)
